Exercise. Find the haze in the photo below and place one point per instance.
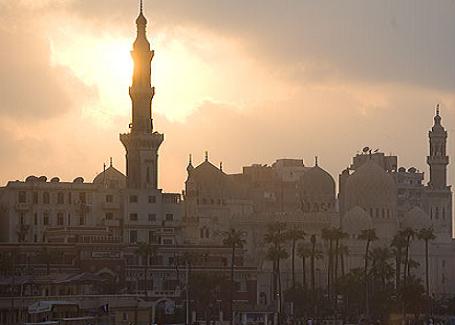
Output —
(248, 81)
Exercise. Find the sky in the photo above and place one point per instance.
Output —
(248, 81)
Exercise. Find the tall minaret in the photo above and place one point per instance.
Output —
(141, 143)
(438, 159)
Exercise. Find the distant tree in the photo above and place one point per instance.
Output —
(368, 235)
(427, 235)
(303, 251)
(343, 251)
(233, 239)
(146, 251)
(294, 235)
(381, 268)
(47, 256)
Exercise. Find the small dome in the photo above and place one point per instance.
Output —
(42, 179)
(111, 176)
(31, 178)
(370, 187)
(78, 180)
(318, 185)
(415, 219)
(55, 180)
(356, 220)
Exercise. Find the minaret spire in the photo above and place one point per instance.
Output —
(438, 158)
(142, 143)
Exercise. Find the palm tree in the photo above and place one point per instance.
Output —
(343, 250)
(294, 235)
(338, 235)
(408, 234)
(368, 235)
(329, 235)
(398, 243)
(426, 234)
(303, 251)
(233, 239)
(276, 236)
(145, 250)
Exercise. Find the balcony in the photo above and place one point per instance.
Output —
(22, 206)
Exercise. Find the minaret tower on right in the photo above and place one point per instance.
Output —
(438, 159)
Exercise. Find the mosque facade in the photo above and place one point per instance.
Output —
(97, 225)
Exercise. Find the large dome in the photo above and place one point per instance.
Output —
(112, 177)
(317, 183)
(416, 219)
(356, 220)
(372, 189)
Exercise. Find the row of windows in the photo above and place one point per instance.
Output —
(380, 213)
(46, 197)
(211, 201)
(152, 238)
(436, 212)
(135, 199)
(46, 220)
(151, 217)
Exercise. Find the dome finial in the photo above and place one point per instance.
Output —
(221, 166)
(316, 160)
(190, 167)
(206, 156)
(110, 162)
(141, 6)
(437, 109)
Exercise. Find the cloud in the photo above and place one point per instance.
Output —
(31, 87)
(408, 41)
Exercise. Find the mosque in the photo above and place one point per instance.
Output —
(97, 224)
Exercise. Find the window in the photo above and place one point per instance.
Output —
(82, 197)
(81, 221)
(60, 198)
(60, 219)
(35, 219)
(46, 198)
(133, 236)
(70, 198)
(125, 316)
(35, 197)
(133, 216)
(22, 219)
(168, 241)
(169, 217)
(152, 199)
(152, 237)
(109, 216)
(152, 217)
(22, 197)
(109, 198)
(133, 199)
(437, 213)
(69, 219)
(45, 219)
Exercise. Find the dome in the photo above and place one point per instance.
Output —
(109, 176)
(318, 184)
(370, 187)
(207, 173)
(356, 220)
(416, 219)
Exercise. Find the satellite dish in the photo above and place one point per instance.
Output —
(366, 149)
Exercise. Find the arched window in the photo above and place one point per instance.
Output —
(46, 198)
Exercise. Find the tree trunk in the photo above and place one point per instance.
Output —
(329, 270)
(146, 275)
(365, 271)
(303, 272)
(231, 298)
(293, 263)
(427, 279)
(342, 263)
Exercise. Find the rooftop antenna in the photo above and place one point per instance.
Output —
(437, 109)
